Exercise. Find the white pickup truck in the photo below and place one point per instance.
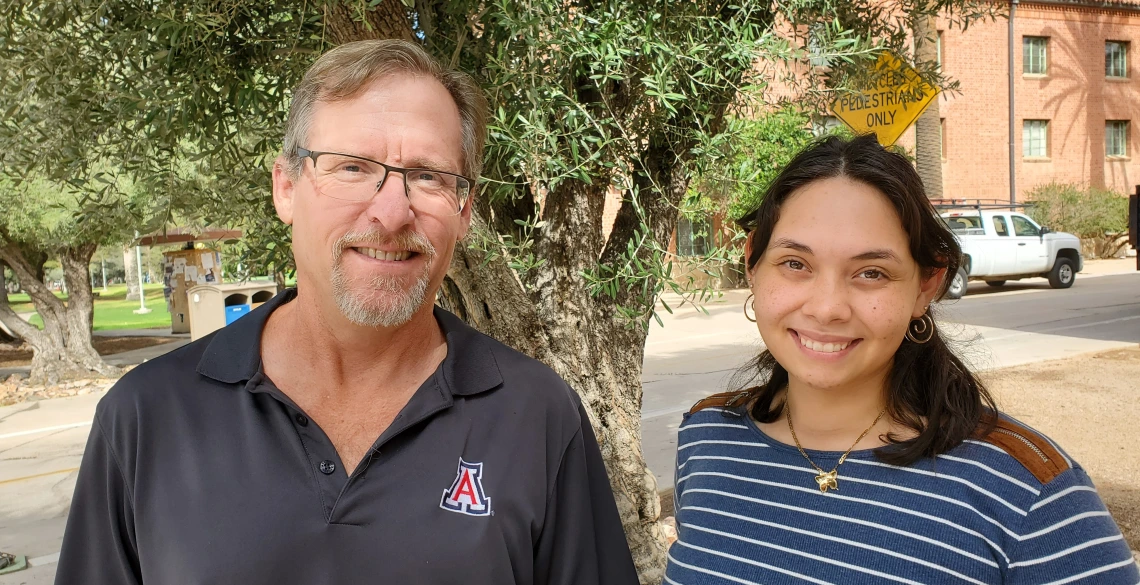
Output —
(1002, 245)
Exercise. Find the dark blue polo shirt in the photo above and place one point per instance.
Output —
(199, 470)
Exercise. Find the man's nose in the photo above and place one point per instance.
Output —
(390, 206)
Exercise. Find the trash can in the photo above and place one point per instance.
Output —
(213, 306)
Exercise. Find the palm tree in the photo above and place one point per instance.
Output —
(928, 129)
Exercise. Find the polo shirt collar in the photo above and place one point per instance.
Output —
(234, 354)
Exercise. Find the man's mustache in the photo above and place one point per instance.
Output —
(406, 240)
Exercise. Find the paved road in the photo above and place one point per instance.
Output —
(695, 354)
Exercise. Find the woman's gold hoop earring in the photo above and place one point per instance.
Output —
(748, 303)
(921, 330)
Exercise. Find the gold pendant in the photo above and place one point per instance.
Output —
(827, 480)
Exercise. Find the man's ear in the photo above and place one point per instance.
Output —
(465, 215)
(927, 290)
(284, 189)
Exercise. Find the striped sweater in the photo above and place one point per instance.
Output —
(749, 511)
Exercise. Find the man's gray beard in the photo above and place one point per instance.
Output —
(385, 302)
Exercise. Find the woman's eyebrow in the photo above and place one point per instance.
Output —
(879, 254)
(794, 245)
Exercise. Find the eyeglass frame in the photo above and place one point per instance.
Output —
(312, 155)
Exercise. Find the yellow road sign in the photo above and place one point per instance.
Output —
(889, 108)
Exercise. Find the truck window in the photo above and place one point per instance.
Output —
(965, 224)
(1024, 227)
(1000, 226)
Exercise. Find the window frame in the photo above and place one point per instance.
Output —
(1026, 141)
(1028, 41)
(1004, 225)
(694, 235)
(938, 48)
(942, 138)
(1109, 132)
(1108, 62)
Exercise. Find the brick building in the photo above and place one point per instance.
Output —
(1076, 92)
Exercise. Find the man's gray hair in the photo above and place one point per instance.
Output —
(345, 71)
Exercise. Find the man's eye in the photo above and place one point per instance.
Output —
(351, 168)
(872, 274)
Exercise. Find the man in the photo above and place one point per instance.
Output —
(348, 431)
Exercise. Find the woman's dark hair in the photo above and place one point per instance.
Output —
(930, 390)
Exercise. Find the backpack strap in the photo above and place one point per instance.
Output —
(723, 400)
(1031, 449)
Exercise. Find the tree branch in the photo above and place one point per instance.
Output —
(28, 271)
(14, 322)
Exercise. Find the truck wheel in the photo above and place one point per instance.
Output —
(1062, 275)
(957, 286)
(995, 282)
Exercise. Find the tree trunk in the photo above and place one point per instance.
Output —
(131, 273)
(6, 334)
(549, 314)
(928, 129)
(350, 21)
(62, 350)
(597, 354)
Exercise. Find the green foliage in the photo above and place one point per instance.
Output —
(185, 102)
(752, 153)
(1086, 212)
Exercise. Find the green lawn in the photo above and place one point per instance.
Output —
(112, 310)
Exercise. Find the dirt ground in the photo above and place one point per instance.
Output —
(1090, 406)
(11, 356)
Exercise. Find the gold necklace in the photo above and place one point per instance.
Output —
(827, 479)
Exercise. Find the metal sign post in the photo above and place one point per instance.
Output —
(142, 310)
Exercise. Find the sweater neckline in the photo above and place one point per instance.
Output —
(814, 453)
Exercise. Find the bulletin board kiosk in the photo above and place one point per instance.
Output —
(181, 271)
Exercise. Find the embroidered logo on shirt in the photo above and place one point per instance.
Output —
(466, 493)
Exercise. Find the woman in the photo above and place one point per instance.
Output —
(869, 453)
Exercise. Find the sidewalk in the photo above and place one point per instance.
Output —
(1107, 267)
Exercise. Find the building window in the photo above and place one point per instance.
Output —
(938, 46)
(1033, 55)
(818, 40)
(942, 137)
(1035, 139)
(1116, 138)
(825, 125)
(1116, 59)
(692, 236)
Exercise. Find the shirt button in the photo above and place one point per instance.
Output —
(301, 420)
(327, 467)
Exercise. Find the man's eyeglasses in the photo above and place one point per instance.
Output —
(353, 178)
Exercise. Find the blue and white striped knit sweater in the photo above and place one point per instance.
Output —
(749, 511)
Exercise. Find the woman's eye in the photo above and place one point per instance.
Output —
(872, 274)
(794, 264)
